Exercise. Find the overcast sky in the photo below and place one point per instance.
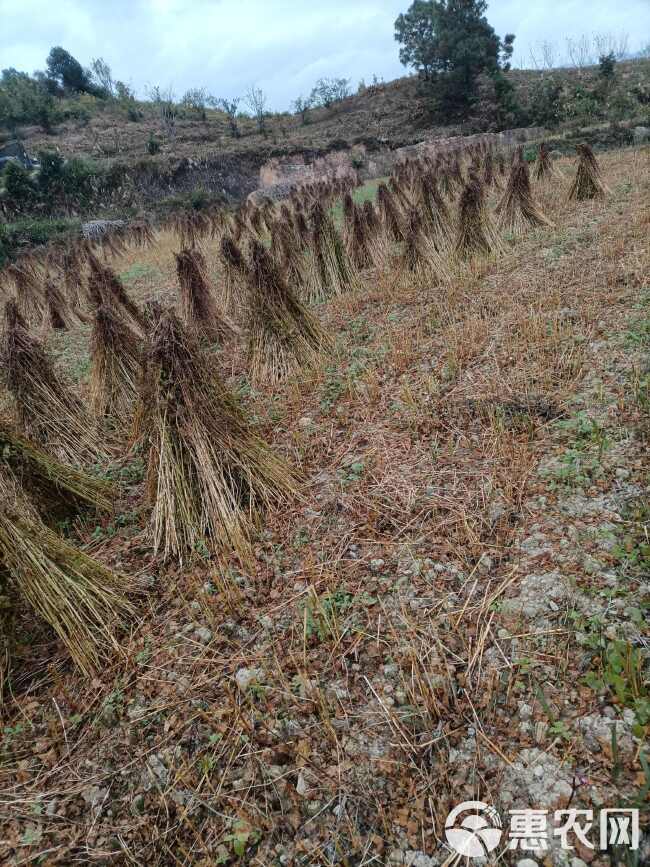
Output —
(281, 46)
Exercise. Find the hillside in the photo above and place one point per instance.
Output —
(391, 114)
(452, 607)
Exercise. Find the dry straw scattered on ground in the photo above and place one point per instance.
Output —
(379, 661)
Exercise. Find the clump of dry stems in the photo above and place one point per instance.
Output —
(283, 334)
(116, 365)
(588, 182)
(47, 481)
(56, 309)
(105, 287)
(77, 596)
(544, 168)
(48, 411)
(475, 232)
(199, 308)
(419, 256)
(207, 471)
(327, 271)
(518, 210)
(234, 277)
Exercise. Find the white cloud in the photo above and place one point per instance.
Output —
(281, 45)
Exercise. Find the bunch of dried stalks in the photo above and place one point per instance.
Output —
(518, 210)
(72, 265)
(301, 227)
(27, 282)
(105, 287)
(234, 277)
(588, 182)
(327, 271)
(283, 334)
(200, 311)
(419, 256)
(287, 253)
(78, 597)
(57, 315)
(116, 365)
(192, 226)
(48, 411)
(47, 481)
(207, 471)
(141, 234)
(437, 222)
(390, 215)
(475, 232)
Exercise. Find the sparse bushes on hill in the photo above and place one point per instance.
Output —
(230, 108)
(19, 186)
(153, 145)
(23, 100)
(59, 184)
(26, 233)
(301, 106)
(328, 91)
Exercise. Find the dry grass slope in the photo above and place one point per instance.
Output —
(396, 645)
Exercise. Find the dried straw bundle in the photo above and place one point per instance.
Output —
(328, 269)
(47, 481)
(419, 257)
(235, 273)
(268, 214)
(217, 218)
(141, 234)
(29, 293)
(56, 309)
(301, 227)
(437, 222)
(199, 308)
(288, 254)
(191, 227)
(256, 221)
(116, 365)
(153, 310)
(490, 178)
(517, 209)
(588, 182)
(475, 233)
(237, 227)
(349, 216)
(282, 333)
(543, 164)
(73, 283)
(47, 410)
(366, 250)
(286, 214)
(456, 173)
(378, 249)
(390, 215)
(207, 471)
(399, 192)
(81, 599)
(105, 287)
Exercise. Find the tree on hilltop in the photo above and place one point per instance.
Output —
(451, 43)
(66, 70)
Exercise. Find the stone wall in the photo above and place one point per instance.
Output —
(278, 176)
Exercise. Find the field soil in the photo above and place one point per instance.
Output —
(455, 608)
